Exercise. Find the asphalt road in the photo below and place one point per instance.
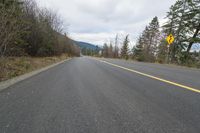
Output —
(85, 95)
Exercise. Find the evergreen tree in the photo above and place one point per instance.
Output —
(184, 24)
(147, 46)
(125, 49)
(163, 51)
(192, 22)
(154, 35)
(138, 50)
(172, 25)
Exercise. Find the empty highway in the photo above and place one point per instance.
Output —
(91, 95)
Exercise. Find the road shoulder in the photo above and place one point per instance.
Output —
(10, 82)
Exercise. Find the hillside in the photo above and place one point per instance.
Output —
(87, 45)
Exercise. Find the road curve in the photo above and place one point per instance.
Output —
(85, 95)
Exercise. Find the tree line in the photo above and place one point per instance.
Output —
(27, 30)
(183, 21)
(111, 50)
(90, 52)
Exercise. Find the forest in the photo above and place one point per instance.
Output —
(31, 37)
(29, 30)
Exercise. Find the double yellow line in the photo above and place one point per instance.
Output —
(153, 77)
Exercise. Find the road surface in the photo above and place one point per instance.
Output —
(85, 95)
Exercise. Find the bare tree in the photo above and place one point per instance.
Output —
(10, 26)
(116, 49)
(27, 29)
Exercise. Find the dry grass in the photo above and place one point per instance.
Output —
(14, 66)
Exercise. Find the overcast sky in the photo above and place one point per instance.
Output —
(98, 21)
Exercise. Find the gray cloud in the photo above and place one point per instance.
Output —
(99, 20)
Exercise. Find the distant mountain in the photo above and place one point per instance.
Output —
(87, 45)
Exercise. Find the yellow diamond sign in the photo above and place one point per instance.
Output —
(170, 39)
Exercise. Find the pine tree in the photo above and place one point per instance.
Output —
(172, 25)
(138, 50)
(162, 51)
(184, 24)
(148, 42)
(192, 22)
(154, 35)
(125, 49)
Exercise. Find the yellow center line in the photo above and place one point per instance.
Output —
(153, 77)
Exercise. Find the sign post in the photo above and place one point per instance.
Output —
(170, 40)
